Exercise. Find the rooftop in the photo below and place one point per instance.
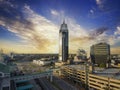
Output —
(110, 72)
(80, 67)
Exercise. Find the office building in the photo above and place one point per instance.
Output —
(100, 54)
(63, 45)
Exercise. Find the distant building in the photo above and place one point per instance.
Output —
(1, 56)
(63, 45)
(4, 58)
(81, 54)
(11, 55)
(43, 61)
(100, 54)
(115, 59)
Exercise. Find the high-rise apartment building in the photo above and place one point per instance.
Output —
(63, 42)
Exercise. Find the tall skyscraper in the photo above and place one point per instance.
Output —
(63, 42)
(100, 53)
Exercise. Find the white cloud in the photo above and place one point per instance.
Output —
(91, 11)
(43, 34)
(38, 31)
(75, 29)
(117, 32)
(100, 4)
(54, 12)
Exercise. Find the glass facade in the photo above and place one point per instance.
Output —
(63, 43)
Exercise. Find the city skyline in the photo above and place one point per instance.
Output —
(33, 26)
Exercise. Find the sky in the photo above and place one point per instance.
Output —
(32, 26)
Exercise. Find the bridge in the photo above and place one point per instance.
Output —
(47, 74)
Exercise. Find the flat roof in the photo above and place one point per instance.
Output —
(110, 72)
(78, 67)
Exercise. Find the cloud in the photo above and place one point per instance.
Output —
(117, 32)
(38, 31)
(100, 3)
(79, 37)
(41, 34)
(82, 38)
(91, 35)
(94, 36)
(54, 12)
(91, 11)
(75, 32)
(28, 25)
(104, 5)
(108, 5)
(98, 31)
(75, 29)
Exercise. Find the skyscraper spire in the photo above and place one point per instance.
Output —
(63, 21)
